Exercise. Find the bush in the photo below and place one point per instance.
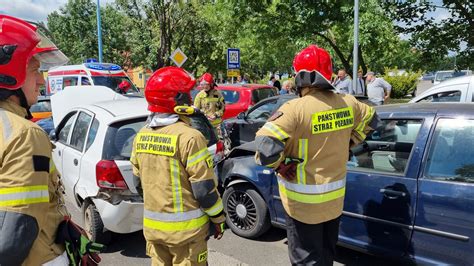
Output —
(402, 83)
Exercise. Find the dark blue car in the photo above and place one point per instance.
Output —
(409, 187)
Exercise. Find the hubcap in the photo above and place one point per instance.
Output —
(241, 210)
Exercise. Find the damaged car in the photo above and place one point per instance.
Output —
(93, 142)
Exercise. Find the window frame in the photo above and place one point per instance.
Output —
(441, 92)
(405, 172)
(87, 132)
(426, 153)
(62, 124)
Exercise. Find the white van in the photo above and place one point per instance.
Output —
(95, 74)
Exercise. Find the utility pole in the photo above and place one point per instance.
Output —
(99, 31)
(356, 46)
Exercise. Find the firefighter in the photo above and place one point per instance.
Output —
(307, 141)
(175, 170)
(30, 200)
(211, 102)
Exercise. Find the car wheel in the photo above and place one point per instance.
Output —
(94, 226)
(247, 212)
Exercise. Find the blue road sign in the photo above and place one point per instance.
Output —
(233, 58)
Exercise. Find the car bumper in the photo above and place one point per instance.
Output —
(125, 217)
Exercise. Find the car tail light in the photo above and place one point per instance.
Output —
(108, 175)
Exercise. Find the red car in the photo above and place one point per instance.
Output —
(239, 97)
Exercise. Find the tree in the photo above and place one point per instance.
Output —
(74, 29)
(435, 37)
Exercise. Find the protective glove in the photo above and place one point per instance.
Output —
(219, 230)
(287, 168)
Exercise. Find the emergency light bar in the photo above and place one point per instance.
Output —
(98, 66)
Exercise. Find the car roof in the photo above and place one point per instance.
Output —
(433, 108)
(133, 107)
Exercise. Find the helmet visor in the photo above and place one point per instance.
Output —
(47, 53)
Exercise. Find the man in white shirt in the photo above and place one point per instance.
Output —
(378, 90)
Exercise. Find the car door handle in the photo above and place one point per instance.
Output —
(59, 153)
(76, 162)
(392, 194)
(384, 146)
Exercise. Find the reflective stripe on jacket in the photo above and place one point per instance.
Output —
(179, 186)
(317, 128)
(28, 184)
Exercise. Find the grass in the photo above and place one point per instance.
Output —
(395, 101)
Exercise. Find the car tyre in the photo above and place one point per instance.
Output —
(94, 226)
(247, 212)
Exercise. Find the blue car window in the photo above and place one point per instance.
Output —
(387, 149)
(451, 157)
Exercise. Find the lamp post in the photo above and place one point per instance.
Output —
(356, 46)
(99, 31)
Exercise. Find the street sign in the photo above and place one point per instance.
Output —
(178, 57)
(233, 72)
(233, 58)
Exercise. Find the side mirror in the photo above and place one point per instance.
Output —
(432, 81)
(241, 115)
(52, 135)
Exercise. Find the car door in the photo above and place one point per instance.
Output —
(255, 119)
(73, 151)
(62, 135)
(381, 187)
(444, 225)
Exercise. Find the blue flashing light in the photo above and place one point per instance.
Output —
(91, 60)
(98, 66)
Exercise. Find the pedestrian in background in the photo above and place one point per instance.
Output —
(307, 141)
(378, 90)
(31, 202)
(360, 85)
(288, 87)
(176, 175)
(343, 82)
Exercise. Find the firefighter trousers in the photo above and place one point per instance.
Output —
(312, 244)
(192, 253)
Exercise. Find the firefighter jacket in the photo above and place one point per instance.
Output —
(317, 128)
(211, 104)
(29, 197)
(179, 186)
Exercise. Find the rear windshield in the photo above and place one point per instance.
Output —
(262, 93)
(113, 83)
(230, 96)
(119, 138)
(39, 107)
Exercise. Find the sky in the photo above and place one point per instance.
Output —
(34, 10)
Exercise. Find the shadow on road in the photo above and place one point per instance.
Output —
(273, 235)
(129, 245)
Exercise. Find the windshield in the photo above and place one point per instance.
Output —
(230, 96)
(119, 137)
(113, 83)
(443, 76)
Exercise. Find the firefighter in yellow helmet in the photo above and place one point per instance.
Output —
(211, 102)
(176, 174)
(29, 191)
(307, 141)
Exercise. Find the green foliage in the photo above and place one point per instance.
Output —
(402, 83)
(74, 29)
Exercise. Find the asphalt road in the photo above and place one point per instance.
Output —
(269, 249)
